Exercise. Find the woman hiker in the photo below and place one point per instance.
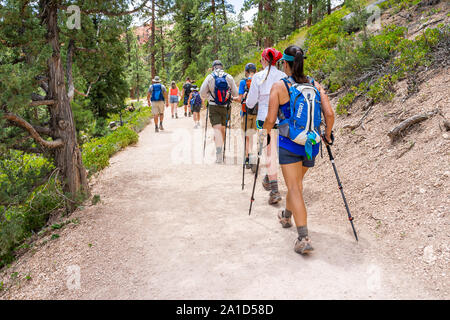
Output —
(174, 97)
(259, 94)
(295, 159)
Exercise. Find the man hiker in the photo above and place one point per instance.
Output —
(219, 88)
(259, 92)
(157, 95)
(195, 102)
(185, 93)
(248, 115)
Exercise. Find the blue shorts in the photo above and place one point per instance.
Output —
(287, 157)
(173, 99)
(186, 100)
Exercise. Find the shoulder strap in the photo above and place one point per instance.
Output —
(286, 81)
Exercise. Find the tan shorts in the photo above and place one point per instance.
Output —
(157, 107)
(251, 122)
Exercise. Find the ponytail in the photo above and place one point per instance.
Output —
(297, 66)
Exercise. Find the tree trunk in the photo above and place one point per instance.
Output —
(310, 9)
(259, 20)
(268, 8)
(68, 157)
(224, 12)
(153, 41)
(162, 48)
(329, 7)
(213, 11)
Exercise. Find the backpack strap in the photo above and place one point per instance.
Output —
(280, 113)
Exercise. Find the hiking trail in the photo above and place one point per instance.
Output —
(182, 231)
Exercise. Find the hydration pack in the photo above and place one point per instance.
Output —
(254, 111)
(196, 99)
(302, 124)
(221, 90)
(157, 94)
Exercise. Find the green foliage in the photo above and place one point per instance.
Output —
(344, 102)
(96, 153)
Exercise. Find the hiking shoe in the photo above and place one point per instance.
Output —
(172, 116)
(266, 183)
(303, 246)
(161, 127)
(247, 163)
(274, 198)
(185, 114)
(219, 158)
(285, 222)
(156, 129)
(176, 115)
(253, 167)
(190, 115)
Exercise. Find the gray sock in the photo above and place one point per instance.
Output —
(287, 213)
(219, 150)
(302, 232)
(274, 186)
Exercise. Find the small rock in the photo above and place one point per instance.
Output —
(428, 254)
(445, 136)
(422, 190)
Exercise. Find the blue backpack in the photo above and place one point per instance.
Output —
(196, 100)
(302, 124)
(221, 90)
(157, 94)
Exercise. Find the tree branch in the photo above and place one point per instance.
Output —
(71, 87)
(42, 103)
(19, 122)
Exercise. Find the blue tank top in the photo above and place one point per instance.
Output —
(290, 145)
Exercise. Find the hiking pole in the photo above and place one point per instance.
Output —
(206, 128)
(350, 218)
(245, 153)
(252, 199)
(226, 126)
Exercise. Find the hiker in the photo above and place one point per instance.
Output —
(298, 155)
(248, 115)
(219, 88)
(195, 102)
(259, 94)
(174, 96)
(156, 96)
(186, 92)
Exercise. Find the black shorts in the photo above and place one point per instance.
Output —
(196, 108)
(287, 157)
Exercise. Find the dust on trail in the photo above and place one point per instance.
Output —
(168, 230)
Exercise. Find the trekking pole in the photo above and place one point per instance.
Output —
(245, 147)
(350, 218)
(252, 199)
(206, 128)
(226, 126)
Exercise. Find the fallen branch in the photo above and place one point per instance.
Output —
(42, 103)
(395, 132)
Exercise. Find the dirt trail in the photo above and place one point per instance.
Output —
(176, 231)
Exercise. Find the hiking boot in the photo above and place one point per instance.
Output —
(247, 163)
(253, 167)
(190, 114)
(274, 198)
(161, 127)
(176, 115)
(172, 116)
(266, 183)
(156, 129)
(285, 222)
(185, 114)
(303, 246)
(219, 158)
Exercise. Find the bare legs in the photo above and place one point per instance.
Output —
(293, 176)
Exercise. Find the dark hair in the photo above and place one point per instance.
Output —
(174, 85)
(187, 79)
(297, 65)
(270, 63)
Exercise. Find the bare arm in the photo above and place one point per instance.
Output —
(327, 111)
(148, 98)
